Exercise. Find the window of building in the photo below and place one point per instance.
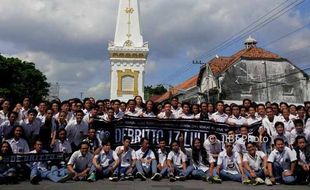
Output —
(288, 90)
(128, 83)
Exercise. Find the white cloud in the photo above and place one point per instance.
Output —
(99, 91)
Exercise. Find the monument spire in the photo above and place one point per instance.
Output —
(128, 53)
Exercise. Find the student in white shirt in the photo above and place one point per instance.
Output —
(90, 117)
(167, 113)
(282, 163)
(42, 111)
(146, 164)
(281, 133)
(105, 164)
(229, 165)
(80, 162)
(162, 154)
(7, 127)
(219, 116)
(60, 122)
(31, 125)
(18, 144)
(285, 118)
(307, 120)
(4, 112)
(23, 112)
(127, 158)
(203, 163)
(149, 109)
(118, 114)
(186, 112)
(40, 169)
(302, 151)
(132, 109)
(236, 120)
(176, 162)
(269, 121)
(60, 143)
(196, 111)
(76, 130)
(87, 105)
(139, 104)
(252, 118)
(299, 130)
(213, 146)
(255, 164)
(176, 110)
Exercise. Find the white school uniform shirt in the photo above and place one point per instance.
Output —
(197, 116)
(162, 156)
(149, 114)
(219, 118)
(126, 157)
(177, 111)
(41, 117)
(288, 125)
(31, 129)
(308, 124)
(239, 145)
(19, 146)
(186, 116)
(251, 120)
(284, 158)
(3, 116)
(64, 147)
(149, 155)
(162, 115)
(22, 114)
(76, 132)
(215, 148)
(269, 126)
(177, 158)
(86, 111)
(293, 117)
(237, 120)
(229, 163)
(79, 161)
(200, 165)
(133, 114)
(106, 158)
(294, 134)
(255, 162)
(302, 156)
(286, 137)
(6, 128)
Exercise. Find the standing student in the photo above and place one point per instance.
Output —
(302, 151)
(186, 112)
(80, 162)
(60, 121)
(18, 144)
(31, 125)
(118, 114)
(7, 126)
(196, 111)
(149, 109)
(281, 133)
(252, 117)
(131, 111)
(128, 159)
(236, 120)
(282, 163)
(139, 104)
(204, 114)
(176, 110)
(167, 113)
(219, 116)
(46, 129)
(105, 164)
(285, 118)
(77, 129)
(176, 162)
(299, 130)
(146, 164)
(4, 112)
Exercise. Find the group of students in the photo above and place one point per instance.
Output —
(278, 153)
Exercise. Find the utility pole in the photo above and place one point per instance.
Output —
(266, 76)
(81, 93)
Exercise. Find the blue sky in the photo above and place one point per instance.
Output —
(68, 39)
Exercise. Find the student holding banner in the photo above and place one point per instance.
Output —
(7, 170)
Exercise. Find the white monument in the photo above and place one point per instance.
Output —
(128, 53)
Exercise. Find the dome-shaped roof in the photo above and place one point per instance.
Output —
(250, 40)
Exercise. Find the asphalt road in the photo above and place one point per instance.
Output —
(145, 185)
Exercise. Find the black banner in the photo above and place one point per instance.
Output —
(169, 129)
(23, 158)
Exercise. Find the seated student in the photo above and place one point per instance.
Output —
(60, 143)
(176, 162)
(80, 162)
(203, 163)
(105, 163)
(244, 137)
(40, 169)
(281, 133)
(213, 146)
(132, 109)
(146, 162)
(7, 170)
(281, 163)
(229, 165)
(186, 112)
(18, 144)
(255, 165)
(92, 140)
(31, 125)
(7, 126)
(162, 154)
(127, 157)
(299, 130)
(302, 150)
(236, 119)
(219, 116)
(167, 113)
(77, 129)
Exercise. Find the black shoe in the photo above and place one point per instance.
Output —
(66, 178)
(34, 180)
(156, 177)
(129, 177)
(180, 178)
(172, 178)
(113, 178)
(141, 176)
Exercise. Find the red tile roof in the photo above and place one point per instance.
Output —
(219, 65)
(191, 82)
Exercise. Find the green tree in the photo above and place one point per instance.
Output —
(19, 79)
(151, 91)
